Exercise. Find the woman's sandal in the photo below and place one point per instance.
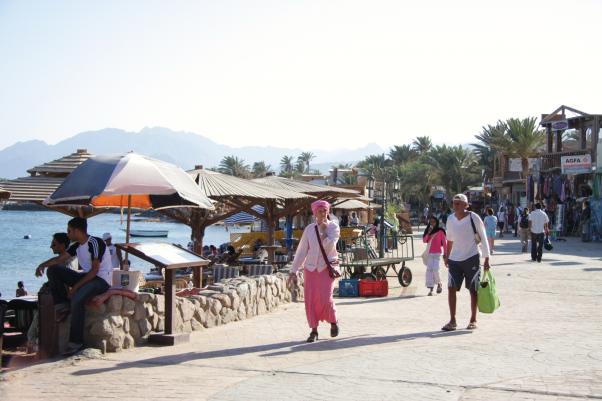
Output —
(471, 326)
(449, 327)
(334, 329)
(439, 289)
(313, 336)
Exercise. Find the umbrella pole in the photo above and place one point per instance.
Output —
(127, 230)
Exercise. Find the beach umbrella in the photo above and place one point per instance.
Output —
(244, 217)
(131, 180)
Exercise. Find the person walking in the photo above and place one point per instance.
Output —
(501, 220)
(464, 231)
(317, 255)
(96, 278)
(523, 229)
(538, 227)
(21, 291)
(434, 237)
(490, 222)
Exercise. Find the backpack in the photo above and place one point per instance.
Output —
(524, 222)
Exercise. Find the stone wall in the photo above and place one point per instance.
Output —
(123, 323)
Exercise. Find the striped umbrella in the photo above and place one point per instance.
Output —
(132, 181)
(244, 217)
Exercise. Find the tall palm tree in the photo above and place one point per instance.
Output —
(260, 169)
(402, 154)
(422, 144)
(457, 167)
(487, 150)
(305, 158)
(232, 165)
(523, 139)
(286, 165)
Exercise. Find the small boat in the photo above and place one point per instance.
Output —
(148, 233)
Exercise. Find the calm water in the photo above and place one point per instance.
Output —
(19, 257)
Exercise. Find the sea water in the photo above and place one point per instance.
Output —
(19, 257)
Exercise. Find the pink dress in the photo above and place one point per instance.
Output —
(318, 285)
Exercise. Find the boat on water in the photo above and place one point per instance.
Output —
(148, 233)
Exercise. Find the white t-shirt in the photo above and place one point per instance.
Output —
(462, 235)
(538, 219)
(114, 259)
(94, 248)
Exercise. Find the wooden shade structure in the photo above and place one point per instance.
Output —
(44, 179)
(234, 195)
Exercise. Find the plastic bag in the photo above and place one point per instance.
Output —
(487, 298)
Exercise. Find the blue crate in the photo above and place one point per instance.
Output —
(349, 288)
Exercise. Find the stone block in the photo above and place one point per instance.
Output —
(160, 304)
(97, 310)
(223, 299)
(128, 342)
(261, 307)
(126, 324)
(145, 328)
(200, 315)
(216, 306)
(101, 328)
(116, 321)
(144, 297)
(114, 304)
(134, 330)
(196, 325)
(115, 342)
(140, 311)
(154, 321)
(187, 310)
(129, 307)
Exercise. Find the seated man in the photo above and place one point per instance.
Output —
(95, 261)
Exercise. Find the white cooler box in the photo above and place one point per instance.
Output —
(126, 279)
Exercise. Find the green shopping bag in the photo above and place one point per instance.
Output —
(487, 298)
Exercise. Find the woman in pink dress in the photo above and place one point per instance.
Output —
(318, 284)
(434, 237)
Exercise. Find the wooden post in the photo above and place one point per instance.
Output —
(559, 141)
(550, 138)
(170, 305)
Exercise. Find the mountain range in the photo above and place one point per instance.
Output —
(185, 149)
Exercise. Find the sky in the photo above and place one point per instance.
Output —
(293, 73)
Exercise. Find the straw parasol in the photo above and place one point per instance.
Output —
(44, 179)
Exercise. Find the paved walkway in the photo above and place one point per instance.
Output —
(545, 343)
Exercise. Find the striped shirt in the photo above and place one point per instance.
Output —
(93, 249)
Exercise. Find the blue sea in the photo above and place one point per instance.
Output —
(19, 257)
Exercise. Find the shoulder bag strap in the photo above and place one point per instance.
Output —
(474, 229)
(322, 247)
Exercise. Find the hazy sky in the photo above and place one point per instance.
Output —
(313, 74)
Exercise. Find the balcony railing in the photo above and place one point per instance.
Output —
(550, 161)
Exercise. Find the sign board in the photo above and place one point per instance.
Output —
(515, 164)
(560, 125)
(579, 164)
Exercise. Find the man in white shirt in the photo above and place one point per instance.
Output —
(96, 278)
(116, 259)
(462, 258)
(538, 226)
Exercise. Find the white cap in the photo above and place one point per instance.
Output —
(461, 197)
(106, 236)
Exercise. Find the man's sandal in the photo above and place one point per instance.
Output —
(471, 326)
(449, 327)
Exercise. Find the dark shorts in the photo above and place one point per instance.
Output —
(500, 225)
(466, 270)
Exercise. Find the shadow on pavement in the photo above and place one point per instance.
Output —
(354, 342)
(342, 301)
(294, 346)
(592, 269)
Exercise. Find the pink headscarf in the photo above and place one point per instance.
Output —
(319, 203)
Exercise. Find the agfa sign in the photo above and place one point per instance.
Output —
(580, 164)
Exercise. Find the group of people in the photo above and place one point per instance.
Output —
(346, 221)
(82, 269)
(457, 245)
(532, 225)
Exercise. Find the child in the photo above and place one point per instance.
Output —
(436, 241)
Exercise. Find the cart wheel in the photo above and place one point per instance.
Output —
(380, 273)
(368, 276)
(405, 276)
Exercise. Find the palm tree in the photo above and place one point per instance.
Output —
(487, 149)
(422, 144)
(305, 158)
(286, 165)
(402, 154)
(260, 169)
(457, 167)
(523, 139)
(232, 165)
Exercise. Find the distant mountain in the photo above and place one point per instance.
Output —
(184, 149)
